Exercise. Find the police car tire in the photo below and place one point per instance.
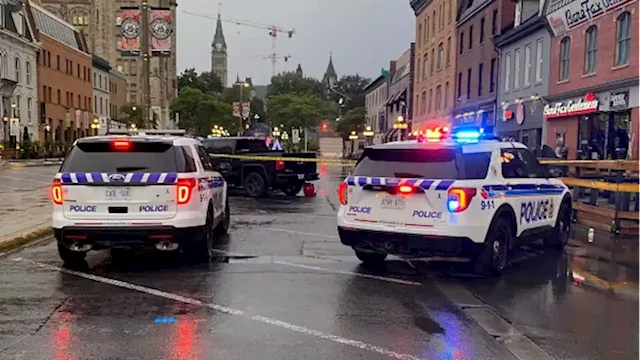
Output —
(555, 239)
(69, 256)
(486, 264)
(201, 248)
(223, 226)
(257, 187)
(371, 258)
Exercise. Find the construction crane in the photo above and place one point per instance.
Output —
(273, 33)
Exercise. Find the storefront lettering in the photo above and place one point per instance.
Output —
(566, 15)
(571, 108)
(619, 100)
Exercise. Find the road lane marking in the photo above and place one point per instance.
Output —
(227, 310)
(25, 179)
(301, 233)
(368, 276)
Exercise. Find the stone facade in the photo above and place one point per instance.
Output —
(435, 63)
(101, 95)
(117, 94)
(18, 75)
(399, 101)
(375, 103)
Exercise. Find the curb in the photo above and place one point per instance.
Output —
(35, 233)
(581, 278)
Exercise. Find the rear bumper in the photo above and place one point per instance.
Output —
(130, 237)
(414, 245)
(288, 179)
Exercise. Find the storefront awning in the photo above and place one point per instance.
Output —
(396, 97)
(389, 135)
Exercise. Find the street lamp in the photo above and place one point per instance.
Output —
(275, 132)
(353, 137)
(368, 134)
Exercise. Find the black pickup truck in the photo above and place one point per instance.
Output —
(257, 176)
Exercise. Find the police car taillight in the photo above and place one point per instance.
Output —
(458, 199)
(405, 189)
(342, 193)
(56, 192)
(185, 190)
(279, 165)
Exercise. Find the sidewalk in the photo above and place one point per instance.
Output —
(31, 162)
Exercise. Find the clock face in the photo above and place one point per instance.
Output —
(218, 46)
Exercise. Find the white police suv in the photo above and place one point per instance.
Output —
(150, 189)
(458, 194)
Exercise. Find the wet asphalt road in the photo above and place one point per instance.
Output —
(285, 288)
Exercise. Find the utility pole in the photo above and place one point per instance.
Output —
(146, 64)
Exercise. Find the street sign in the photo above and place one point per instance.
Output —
(246, 109)
(236, 109)
(295, 136)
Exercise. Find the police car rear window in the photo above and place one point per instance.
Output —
(140, 157)
(422, 163)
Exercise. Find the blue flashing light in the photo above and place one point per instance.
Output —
(164, 320)
(452, 204)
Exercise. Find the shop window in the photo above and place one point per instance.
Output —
(591, 50)
(623, 38)
(565, 58)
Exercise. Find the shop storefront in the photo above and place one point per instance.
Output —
(595, 126)
(482, 116)
(522, 121)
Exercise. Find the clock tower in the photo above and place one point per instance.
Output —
(219, 54)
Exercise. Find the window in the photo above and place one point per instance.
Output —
(28, 72)
(427, 29)
(433, 24)
(565, 58)
(423, 108)
(521, 164)
(449, 12)
(446, 95)
(432, 61)
(518, 15)
(17, 69)
(29, 105)
(425, 66)
(470, 36)
(480, 75)
(49, 94)
(419, 34)
(207, 165)
(16, 112)
(461, 43)
(438, 97)
(417, 72)
(469, 83)
(44, 94)
(591, 50)
(57, 61)
(516, 73)
(101, 108)
(79, 101)
(449, 51)
(430, 99)
(95, 103)
(539, 60)
(59, 97)
(78, 70)
(623, 38)
(459, 86)
(507, 71)
(95, 79)
(481, 30)
(440, 56)
(494, 22)
(527, 64)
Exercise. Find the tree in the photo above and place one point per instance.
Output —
(133, 116)
(353, 120)
(292, 83)
(353, 87)
(207, 82)
(296, 110)
(200, 111)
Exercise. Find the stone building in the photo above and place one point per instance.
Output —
(101, 95)
(435, 63)
(117, 95)
(99, 22)
(18, 76)
(219, 54)
(376, 106)
(400, 95)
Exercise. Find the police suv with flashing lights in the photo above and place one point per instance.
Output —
(460, 194)
(145, 189)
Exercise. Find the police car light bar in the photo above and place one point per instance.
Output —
(146, 132)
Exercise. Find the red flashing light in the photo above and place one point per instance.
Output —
(342, 193)
(405, 189)
(56, 192)
(324, 126)
(121, 144)
(185, 190)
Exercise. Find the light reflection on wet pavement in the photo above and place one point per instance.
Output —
(303, 295)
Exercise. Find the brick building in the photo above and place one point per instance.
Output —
(478, 22)
(64, 78)
(592, 105)
(435, 62)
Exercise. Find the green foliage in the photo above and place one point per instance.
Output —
(353, 120)
(292, 83)
(296, 110)
(133, 115)
(207, 82)
(199, 111)
(353, 87)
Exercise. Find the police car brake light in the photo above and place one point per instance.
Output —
(121, 144)
(458, 199)
(405, 189)
(185, 190)
(342, 193)
(56, 192)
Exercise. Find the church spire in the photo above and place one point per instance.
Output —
(219, 42)
(330, 77)
(299, 70)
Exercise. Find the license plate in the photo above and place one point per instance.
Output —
(118, 193)
(300, 176)
(392, 203)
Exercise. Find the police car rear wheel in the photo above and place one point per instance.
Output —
(69, 256)
(494, 257)
(559, 236)
(371, 258)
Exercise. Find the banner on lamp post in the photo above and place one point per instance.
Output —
(130, 29)
(246, 109)
(236, 109)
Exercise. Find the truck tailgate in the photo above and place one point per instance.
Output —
(299, 166)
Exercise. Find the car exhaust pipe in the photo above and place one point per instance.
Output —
(166, 245)
(76, 246)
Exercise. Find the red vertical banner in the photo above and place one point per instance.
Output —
(160, 31)
(130, 31)
(246, 110)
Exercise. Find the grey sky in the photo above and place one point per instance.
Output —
(363, 35)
